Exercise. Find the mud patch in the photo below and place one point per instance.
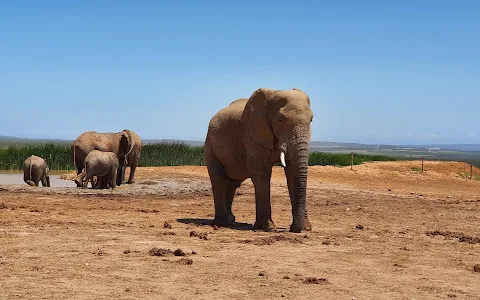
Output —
(462, 238)
(278, 238)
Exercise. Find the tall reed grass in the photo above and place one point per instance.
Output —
(59, 156)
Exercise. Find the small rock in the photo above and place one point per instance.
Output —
(185, 261)
(262, 273)
(286, 277)
(167, 225)
(194, 252)
(203, 236)
(310, 280)
(159, 252)
(359, 227)
(126, 251)
(389, 190)
(179, 252)
(476, 268)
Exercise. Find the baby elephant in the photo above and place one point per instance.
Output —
(35, 169)
(101, 164)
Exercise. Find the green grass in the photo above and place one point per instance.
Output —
(344, 159)
(466, 175)
(171, 154)
(59, 156)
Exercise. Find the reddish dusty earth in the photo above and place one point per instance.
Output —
(381, 231)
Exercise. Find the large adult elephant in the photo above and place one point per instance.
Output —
(247, 138)
(126, 144)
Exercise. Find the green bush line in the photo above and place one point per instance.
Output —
(59, 157)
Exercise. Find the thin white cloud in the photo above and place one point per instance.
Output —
(472, 135)
(430, 135)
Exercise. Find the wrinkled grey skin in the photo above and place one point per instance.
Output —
(245, 140)
(126, 144)
(35, 170)
(104, 165)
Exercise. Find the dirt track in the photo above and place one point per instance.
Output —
(381, 231)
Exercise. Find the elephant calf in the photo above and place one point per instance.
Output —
(35, 169)
(104, 165)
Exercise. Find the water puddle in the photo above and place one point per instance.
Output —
(17, 178)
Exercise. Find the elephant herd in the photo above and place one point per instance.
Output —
(244, 140)
(100, 158)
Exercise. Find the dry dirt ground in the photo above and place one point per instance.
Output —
(381, 231)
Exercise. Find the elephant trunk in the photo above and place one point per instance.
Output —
(298, 158)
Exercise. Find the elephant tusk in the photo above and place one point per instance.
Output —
(282, 159)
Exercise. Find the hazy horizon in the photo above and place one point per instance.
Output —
(201, 141)
(376, 72)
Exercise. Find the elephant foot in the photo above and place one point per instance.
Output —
(267, 225)
(79, 184)
(307, 226)
(131, 181)
(220, 221)
(231, 218)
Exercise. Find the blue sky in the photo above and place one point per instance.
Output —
(397, 72)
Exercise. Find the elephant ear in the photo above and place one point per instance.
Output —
(131, 142)
(124, 143)
(256, 120)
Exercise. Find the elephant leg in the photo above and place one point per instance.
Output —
(133, 167)
(79, 179)
(291, 190)
(44, 181)
(103, 181)
(79, 170)
(120, 174)
(263, 210)
(85, 181)
(218, 180)
(230, 186)
(113, 177)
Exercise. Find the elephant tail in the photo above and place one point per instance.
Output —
(29, 181)
(30, 167)
(74, 161)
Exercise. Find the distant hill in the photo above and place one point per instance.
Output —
(457, 151)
